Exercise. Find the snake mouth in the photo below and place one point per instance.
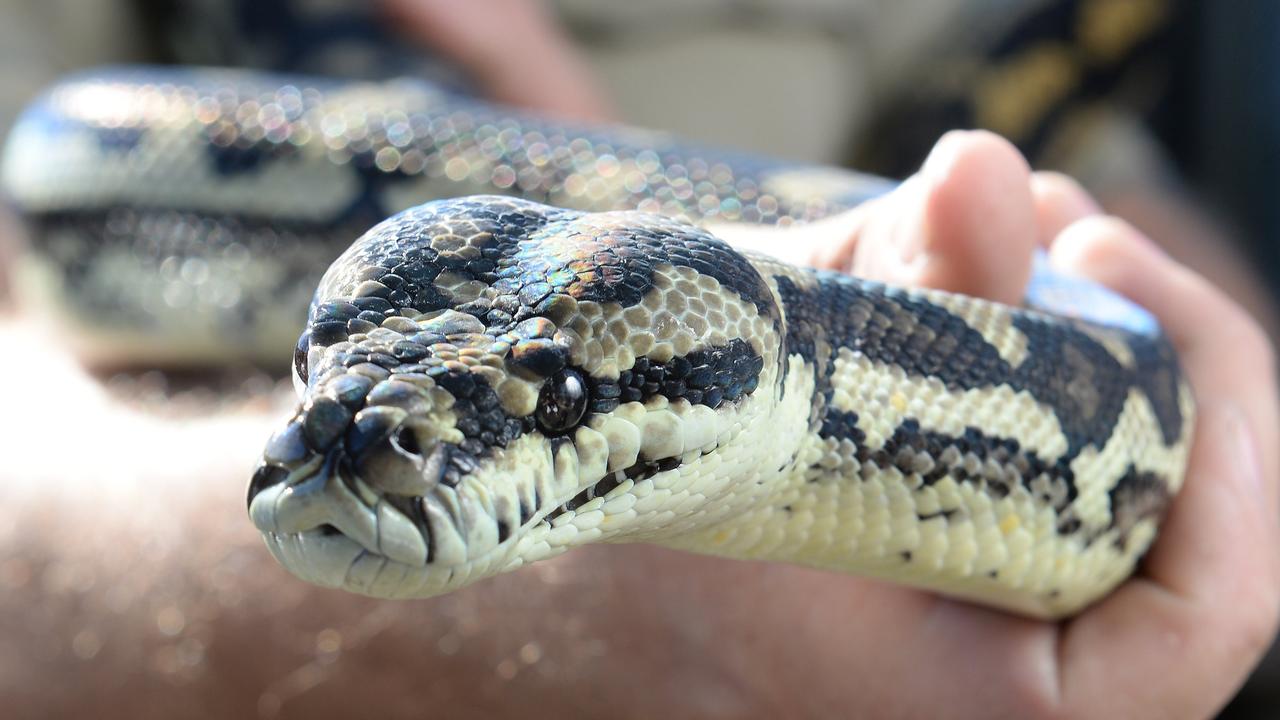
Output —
(324, 498)
(639, 471)
(321, 556)
(396, 494)
(327, 526)
(330, 524)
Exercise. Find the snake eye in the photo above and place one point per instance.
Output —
(562, 402)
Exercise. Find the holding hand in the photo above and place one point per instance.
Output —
(1175, 641)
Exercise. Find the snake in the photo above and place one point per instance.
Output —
(541, 343)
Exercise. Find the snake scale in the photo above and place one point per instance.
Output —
(487, 380)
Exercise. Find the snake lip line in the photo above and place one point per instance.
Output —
(604, 487)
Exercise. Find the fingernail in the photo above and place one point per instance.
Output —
(1241, 438)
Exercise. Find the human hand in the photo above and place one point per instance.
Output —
(1175, 641)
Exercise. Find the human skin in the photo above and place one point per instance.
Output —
(132, 585)
(514, 50)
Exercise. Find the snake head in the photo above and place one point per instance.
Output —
(487, 381)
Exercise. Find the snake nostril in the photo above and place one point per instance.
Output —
(264, 477)
(328, 530)
(407, 440)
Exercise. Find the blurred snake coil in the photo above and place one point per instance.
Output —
(539, 344)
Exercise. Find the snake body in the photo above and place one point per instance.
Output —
(185, 215)
(487, 381)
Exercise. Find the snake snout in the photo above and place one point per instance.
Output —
(286, 451)
(349, 472)
(267, 475)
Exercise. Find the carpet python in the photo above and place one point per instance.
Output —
(488, 380)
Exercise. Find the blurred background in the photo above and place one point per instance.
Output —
(1165, 109)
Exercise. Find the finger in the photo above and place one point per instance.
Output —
(1179, 654)
(1207, 607)
(1059, 202)
(964, 223)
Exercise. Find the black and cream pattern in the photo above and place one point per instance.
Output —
(120, 170)
(489, 381)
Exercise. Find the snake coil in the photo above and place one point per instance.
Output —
(489, 380)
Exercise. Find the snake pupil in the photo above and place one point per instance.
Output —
(562, 402)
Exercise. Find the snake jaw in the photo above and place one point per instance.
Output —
(329, 525)
(517, 506)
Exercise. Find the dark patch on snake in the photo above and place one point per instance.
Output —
(420, 258)
(1156, 371)
(841, 424)
(1065, 369)
(999, 462)
(76, 241)
(1138, 495)
(996, 464)
(710, 376)
(1087, 386)
(612, 257)
(529, 260)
